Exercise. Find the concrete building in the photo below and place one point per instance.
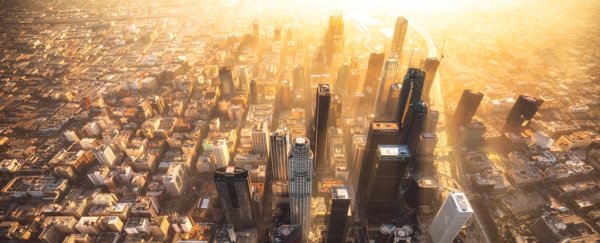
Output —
(105, 156)
(280, 148)
(260, 138)
(175, 179)
(221, 152)
(449, 220)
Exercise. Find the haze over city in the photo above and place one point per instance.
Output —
(299, 121)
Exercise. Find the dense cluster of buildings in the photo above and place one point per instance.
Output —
(121, 125)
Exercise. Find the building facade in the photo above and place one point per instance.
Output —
(300, 175)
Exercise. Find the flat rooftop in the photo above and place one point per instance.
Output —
(400, 151)
(340, 192)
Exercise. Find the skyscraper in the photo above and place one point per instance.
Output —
(387, 172)
(334, 39)
(321, 120)
(226, 79)
(244, 79)
(221, 152)
(392, 98)
(449, 220)
(335, 118)
(298, 80)
(284, 94)
(430, 66)
(253, 92)
(423, 164)
(105, 156)
(280, 148)
(522, 112)
(409, 92)
(260, 138)
(358, 151)
(338, 215)
(466, 108)
(300, 175)
(380, 133)
(233, 186)
(431, 121)
(373, 71)
(413, 125)
(399, 35)
(390, 69)
(343, 78)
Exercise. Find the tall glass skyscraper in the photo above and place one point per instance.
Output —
(409, 93)
(466, 108)
(233, 186)
(280, 149)
(300, 175)
(321, 122)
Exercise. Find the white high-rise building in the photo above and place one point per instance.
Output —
(300, 175)
(260, 138)
(452, 216)
(221, 152)
(105, 156)
(175, 179)
(71, 136)
(280, 149)
(92, 128)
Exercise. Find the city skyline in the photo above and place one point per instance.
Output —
(299, 121)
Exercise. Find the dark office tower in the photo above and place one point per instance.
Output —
(392, 99)
(256, 33)
(343, 78)
(300, 176)
(466, 108)
(338, 218)
(399, 35)
(253, 92)
(226, 79)
(388, 170)
(380, 133)
(413, 75)
(522, 112)
(430, 66)
(421, 192)
(390, 68)
(280, 148)
(321, 120)
(373, 71)
(413, 125)
(336, 111)
(233, 186)
(244, 79)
